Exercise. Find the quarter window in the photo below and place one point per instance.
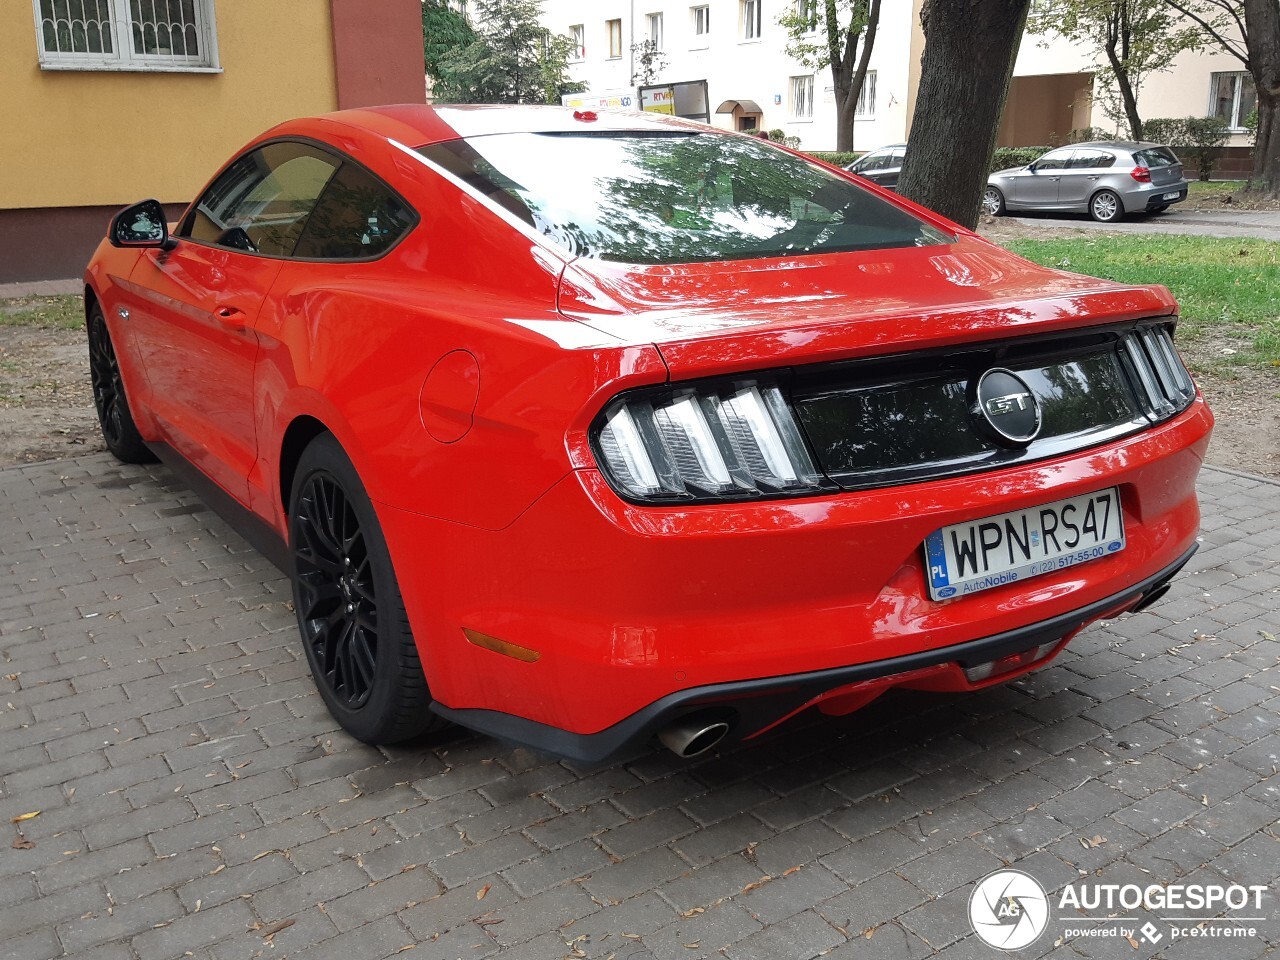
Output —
(1234, 97)
(163, 35)
(291, 199)
(802, 98)
(615, 39)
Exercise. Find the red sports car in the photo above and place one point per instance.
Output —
(579, 429)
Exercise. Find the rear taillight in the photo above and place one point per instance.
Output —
(1141, 174)
(726, 440)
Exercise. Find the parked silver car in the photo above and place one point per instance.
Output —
(1103, 179)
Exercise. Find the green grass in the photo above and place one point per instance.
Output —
(61, 312)
(1200, 188)
(1229, 289)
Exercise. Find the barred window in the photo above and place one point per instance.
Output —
(126, 34)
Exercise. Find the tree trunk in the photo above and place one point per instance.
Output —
(1117, 33)
(1262, 17)
(846, 77)
(970, 46)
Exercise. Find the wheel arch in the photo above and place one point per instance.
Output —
(300, 432)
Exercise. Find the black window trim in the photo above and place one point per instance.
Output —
(342, 158)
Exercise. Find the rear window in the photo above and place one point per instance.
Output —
(676, 197)
(1155, 157)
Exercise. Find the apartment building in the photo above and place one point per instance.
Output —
(738, 49)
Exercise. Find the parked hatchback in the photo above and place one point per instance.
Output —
(1103, 179)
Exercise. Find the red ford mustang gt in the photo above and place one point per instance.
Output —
(582, 429)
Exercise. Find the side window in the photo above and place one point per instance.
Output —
(261, 202)
(1091, 160)
(872, 161)
(357, 217)
(897, 157)
(1053, 161)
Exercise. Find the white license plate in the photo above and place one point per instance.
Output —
(966, 558)
(1171, 196)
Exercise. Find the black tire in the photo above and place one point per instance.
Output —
(118, 429)
(993, 202)
(1105, 206)
(350, 613)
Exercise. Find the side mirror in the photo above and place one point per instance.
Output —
(141, 225)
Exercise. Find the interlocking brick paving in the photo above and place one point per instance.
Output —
(196, 800)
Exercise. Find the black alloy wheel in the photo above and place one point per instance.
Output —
(118, 429)
(350, 612)
(338, 606)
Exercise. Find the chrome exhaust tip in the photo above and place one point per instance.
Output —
(692, 736)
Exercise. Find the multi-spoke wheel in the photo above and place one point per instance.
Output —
(993, 202)
(350, 613)
(1105, 207)
(118, 429)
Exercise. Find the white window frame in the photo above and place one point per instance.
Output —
(701, 15)
(866, 106)
(802, 97)
(615, 52)
(654, 23)
(751, 14)
(1236, 123)
(578, 37)
(122, 56)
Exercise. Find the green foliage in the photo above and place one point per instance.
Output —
(510, 58)
(778, 135)
(649, 61)
(1229, 288)
(1251, 125)
(839, 34)
(1002, 158)
(443, 29)
(1086, 134)
(1131, 39)
(838, 158)
(1196, 140)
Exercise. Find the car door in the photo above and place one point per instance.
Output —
(198, 304)
(1037, 186)
(1081, 176)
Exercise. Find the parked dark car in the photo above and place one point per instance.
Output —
(882, 166)
(1105, 179)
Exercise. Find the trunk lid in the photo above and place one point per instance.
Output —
(713, 318)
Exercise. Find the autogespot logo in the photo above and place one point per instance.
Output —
(1008, 910)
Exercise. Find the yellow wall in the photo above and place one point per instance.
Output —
(71, 138)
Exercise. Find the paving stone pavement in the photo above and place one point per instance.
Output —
(196, 800)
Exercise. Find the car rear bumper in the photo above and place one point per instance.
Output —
(751, 707)
(1151, 196)
(624, 617)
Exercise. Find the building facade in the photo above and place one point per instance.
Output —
(110, 101)
(738, 47)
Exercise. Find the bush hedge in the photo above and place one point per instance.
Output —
(837, 158)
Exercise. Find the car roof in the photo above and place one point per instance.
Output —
(1114, 144)
(418, 124)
